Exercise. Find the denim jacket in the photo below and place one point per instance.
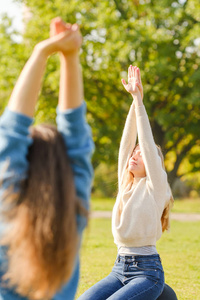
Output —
(14, 143)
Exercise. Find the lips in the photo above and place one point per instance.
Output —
(133, 163)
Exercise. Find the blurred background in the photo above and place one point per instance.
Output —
(161, 37)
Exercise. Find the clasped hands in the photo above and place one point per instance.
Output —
(64, 38)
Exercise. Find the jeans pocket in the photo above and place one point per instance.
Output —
(145, 266)
(151, 270)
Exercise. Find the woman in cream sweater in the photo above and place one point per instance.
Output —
(141, 211)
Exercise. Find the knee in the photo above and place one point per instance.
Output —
(168, 293)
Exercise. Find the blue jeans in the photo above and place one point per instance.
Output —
(132, 278)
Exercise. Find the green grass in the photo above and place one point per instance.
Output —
(178, 249)
(182, 206)
(187, 205)
(103, 204)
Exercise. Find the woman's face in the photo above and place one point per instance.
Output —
(136, 164)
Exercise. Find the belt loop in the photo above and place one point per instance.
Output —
(118, 258)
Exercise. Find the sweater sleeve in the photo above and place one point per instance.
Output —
(156, 175)
(79, 146)
(14, 144)
(127, 143)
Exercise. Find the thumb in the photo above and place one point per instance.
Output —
(123, 82)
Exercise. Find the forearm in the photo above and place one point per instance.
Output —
(26, 90)
(71, 85)
(153, 162)
(128, 142)
(79, 146)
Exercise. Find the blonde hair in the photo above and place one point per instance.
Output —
(42, 236)
(127, 181)
(165, 218)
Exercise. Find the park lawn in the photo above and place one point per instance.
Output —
(102, 204)
(179, 251)
(180, 205)
(186, 205)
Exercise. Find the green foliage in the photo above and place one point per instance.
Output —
(160, 37)
(12, 60)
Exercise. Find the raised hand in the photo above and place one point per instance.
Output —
(58, 25)
(65, 32)
(69, 40)
(64, 38)
(134, 85)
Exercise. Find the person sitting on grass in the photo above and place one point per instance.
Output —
(141, 211)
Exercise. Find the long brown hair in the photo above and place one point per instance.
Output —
(128, 179)
(42, 238)
(165, 218)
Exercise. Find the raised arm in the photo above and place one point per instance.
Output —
(156, 175)
(26, 90)
(71, 83)
(72, 124)
(15, 122)
(127, 143)
(71, 120)
(129, 135)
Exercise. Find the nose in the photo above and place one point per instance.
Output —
(134, 157)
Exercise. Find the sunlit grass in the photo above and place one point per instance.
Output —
(180, 205)
(179, 251)
(103, 204)
(187, 205)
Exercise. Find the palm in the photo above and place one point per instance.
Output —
(134, 85)
(131, 86)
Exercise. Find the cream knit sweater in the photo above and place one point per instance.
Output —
(140, 221)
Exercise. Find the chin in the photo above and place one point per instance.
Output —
(131, 171)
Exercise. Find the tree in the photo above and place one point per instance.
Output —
(161, 37)
(12, 60)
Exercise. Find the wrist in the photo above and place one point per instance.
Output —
(137, 100)
(43, 50)
(69, 60)
(69, 56)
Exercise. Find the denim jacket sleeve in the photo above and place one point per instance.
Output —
(14, 144)
(79, 146)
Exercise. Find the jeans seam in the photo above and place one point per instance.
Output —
(145, 270)
(143, 291)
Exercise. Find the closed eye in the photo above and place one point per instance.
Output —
(137, 152)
